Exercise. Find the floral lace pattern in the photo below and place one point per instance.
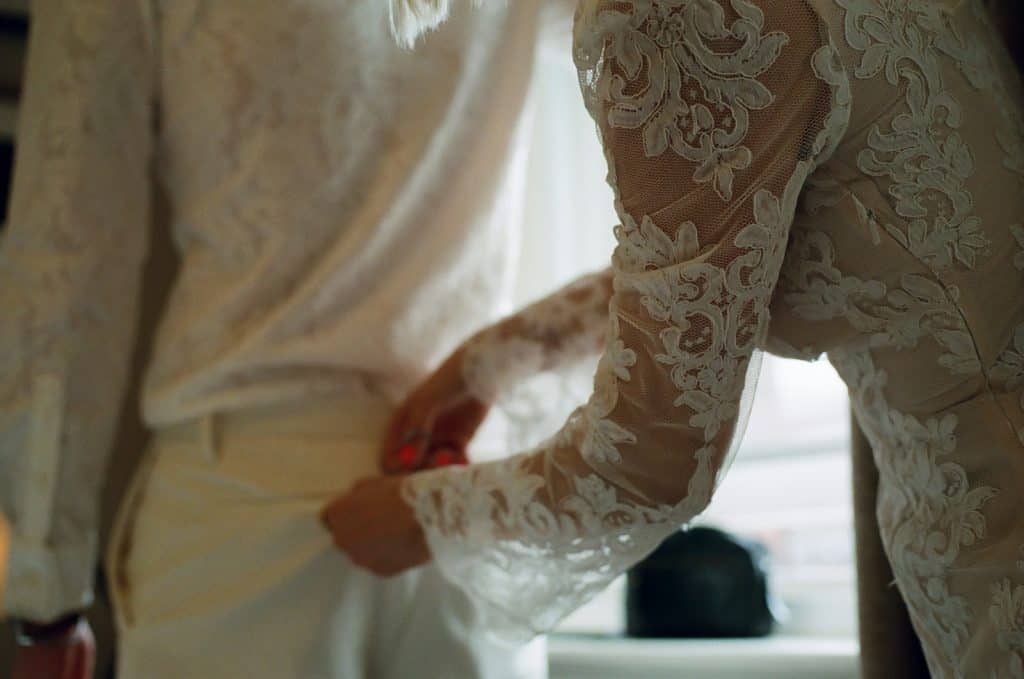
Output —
(1007, 615)
(536, 535)
(928, 508)
(536, 366)
(1008, 372)
(697, 101)
(931, 511)
(919, 309)
(1007, 607)
(895, 251)
(558, 330)
(923, 154)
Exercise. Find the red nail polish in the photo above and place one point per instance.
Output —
(443, 458)
(408, 456)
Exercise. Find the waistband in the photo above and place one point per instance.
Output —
(166, 406)
(359, 415)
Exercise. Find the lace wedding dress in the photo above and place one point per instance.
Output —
(837, 177)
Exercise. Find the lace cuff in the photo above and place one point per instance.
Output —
(43, 583)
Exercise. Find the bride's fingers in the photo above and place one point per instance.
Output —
(393, 439)
(408, 443)
(405, 457)
(459, 426)
(445, 455)
(410, 455)
(405, 443)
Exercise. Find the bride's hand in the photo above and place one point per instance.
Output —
(435, 423)
(376, 528)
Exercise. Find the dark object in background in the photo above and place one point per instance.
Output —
(13, 43)
(13, 40)
(6, 170)
(701, 583)
(1008, 16)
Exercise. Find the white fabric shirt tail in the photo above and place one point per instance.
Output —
(319, 212)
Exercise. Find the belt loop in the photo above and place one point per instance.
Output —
(208, 437)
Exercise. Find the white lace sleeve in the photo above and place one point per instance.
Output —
(69, 265)
(711, 114)
(551, 334)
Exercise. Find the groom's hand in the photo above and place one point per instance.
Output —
(375, 527)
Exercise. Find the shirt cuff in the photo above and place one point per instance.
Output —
(42, 584)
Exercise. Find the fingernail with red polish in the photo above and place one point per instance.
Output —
(408, 456)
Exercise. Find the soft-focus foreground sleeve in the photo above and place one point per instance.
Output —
(70, 262)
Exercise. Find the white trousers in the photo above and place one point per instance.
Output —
(220, 568)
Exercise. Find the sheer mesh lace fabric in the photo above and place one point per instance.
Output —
(537, 366)
(556, 331)
(707, 173)
(840, 177)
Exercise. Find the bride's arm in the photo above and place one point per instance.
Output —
(444, 411)
(712, 115)
(563, 328)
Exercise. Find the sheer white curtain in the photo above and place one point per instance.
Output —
(568, 215)
(789, 486)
